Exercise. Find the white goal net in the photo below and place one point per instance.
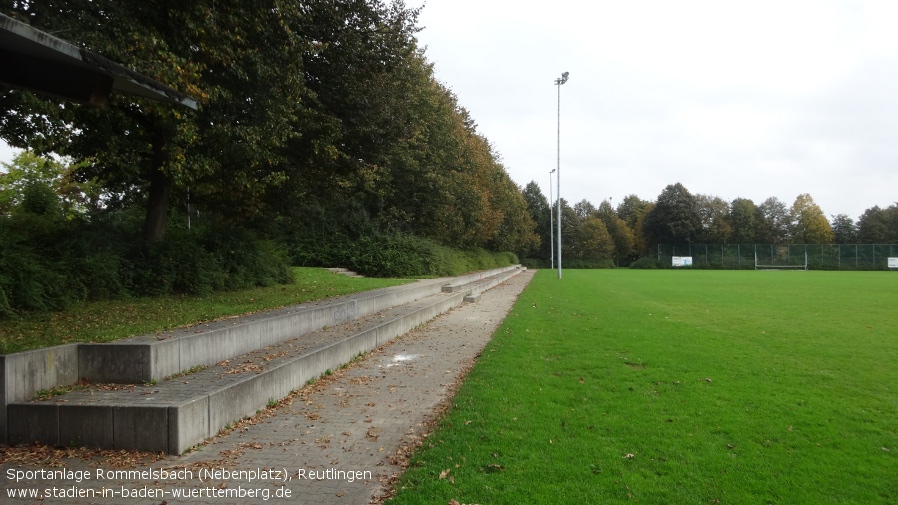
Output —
(770, 264)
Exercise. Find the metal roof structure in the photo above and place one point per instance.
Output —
(37, 61)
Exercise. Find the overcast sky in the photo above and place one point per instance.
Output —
(747, 99)
(733, 99)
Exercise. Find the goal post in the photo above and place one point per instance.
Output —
(780, 266)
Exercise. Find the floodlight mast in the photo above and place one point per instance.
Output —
(551, 226)
(559, 82)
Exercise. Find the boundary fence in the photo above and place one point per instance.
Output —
(819, 256)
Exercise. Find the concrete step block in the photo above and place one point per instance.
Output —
(176, 424)
(174, 421)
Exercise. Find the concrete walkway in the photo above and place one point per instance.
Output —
(339, 441)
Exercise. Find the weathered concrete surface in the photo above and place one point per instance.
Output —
(24, 373)
(361, 419)
(152, 357)
(102, 417)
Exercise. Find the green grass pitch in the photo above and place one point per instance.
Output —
(675, 387)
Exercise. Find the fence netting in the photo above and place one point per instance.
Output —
(819, 256)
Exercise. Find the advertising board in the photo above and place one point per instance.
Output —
(682, 261)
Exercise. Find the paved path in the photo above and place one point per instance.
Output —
(340, 441)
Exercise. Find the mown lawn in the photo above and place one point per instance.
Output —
(675, 387)
(112, 320)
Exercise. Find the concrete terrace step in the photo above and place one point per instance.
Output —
(344, 271)
(152, 357)
(173, 415)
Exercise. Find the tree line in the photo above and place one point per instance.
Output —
(322, 138)
(606, 235)
(309, 110)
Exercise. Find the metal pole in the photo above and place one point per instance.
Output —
(559, 82)
(551, 225)
(558, 168)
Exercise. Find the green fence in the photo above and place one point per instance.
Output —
(819, 256)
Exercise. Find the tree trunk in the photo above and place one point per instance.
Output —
(159, 194)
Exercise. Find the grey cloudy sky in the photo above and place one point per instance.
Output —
(732, 99)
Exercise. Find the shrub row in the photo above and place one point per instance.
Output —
(343, 235)
(391, 255)
(568, 263)
(47, 263)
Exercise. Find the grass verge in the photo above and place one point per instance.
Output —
(620, 386)
(112, 320)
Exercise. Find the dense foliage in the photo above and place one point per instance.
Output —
(679, 219)
(321, 128)
(48, 262)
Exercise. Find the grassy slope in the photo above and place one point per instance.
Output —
(112, 320)
(615, 386)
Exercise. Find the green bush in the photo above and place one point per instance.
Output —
(47, 263)
(40, 199)
(246, 261)
(390, 255)
(645, 263)
(586, 264)
(103, 276)
(5, 308)
(568, 263)
(202, 261)
(33, 282)
(176, 264)
(35, 278)
(535, 263)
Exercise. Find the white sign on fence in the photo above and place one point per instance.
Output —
(893, 262)
(682, 261)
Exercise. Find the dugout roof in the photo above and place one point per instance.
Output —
(39, 62)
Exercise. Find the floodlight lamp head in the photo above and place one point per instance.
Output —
(562, 79)
(553, 171)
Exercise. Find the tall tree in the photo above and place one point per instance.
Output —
(714, 212)
(327, 104)
(844, 230)
(517, 230)
(674, 219)
(366, 80)
(145, 150)
(584, 209)
(538, 208)
(621, 235)
(570, 232)
(631, 209)
(26, 170)
(773, 222)
(593, 242)
(808, 222)
(641, 240)
(879, 226)
(743, 219)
